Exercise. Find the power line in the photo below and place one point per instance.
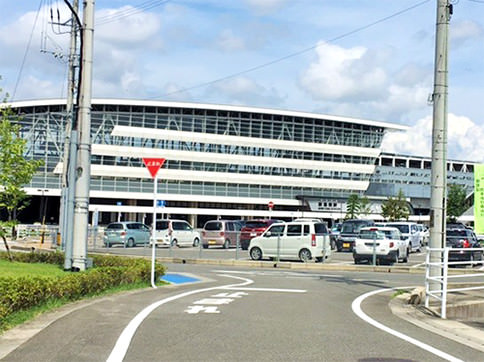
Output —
(148, 5)
(26, 51)
(264, 65)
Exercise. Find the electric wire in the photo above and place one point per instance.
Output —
(130, 12)
(22, 65)
(278, 60)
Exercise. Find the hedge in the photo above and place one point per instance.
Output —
(19, 293)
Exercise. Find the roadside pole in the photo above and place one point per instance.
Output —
(153, 165)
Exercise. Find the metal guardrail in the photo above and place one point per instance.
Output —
(437, 274)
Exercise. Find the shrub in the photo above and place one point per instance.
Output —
(18, 293)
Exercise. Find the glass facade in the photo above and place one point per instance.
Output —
(43, 127)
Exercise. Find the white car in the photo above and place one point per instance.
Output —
(303, 240)
(409, 231)
(176, 232)
(384, 242)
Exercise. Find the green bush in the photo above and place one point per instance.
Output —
(19, 293)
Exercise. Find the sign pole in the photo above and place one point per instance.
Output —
(153, 233)
(153, 165)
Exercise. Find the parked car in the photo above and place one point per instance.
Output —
(384, 242)
(424, 234)
(221, 232)
(349, 231)
(303, 240)
(460, 240)
(253, 228)
(409, 230)
(127, 233)
(334, 234)
(176, 232)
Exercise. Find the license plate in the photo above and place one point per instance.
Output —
(211, 242)
(346, 245)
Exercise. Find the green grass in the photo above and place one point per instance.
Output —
(16, 269)
(23, 316)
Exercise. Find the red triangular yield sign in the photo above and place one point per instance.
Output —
(153, 165)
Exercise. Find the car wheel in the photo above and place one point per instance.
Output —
(174, 242)
(305, 255)
(226, 244)
(255, 253)
(205, 246)
(405, 258)
(357, 260)
(108, 245)
(319, 259)
(395, 259)
(130, 243)
(196, 242)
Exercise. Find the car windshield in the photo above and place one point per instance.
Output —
(162, 225)
(404, 229)
(371, 234)
(320, 229)
(213, 226)
(352, 227)
(256, 224)
(456, 233)
(115, 226)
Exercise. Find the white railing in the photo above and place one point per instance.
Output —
(437, 275)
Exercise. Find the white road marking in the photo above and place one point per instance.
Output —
(122, 344)
(356, 306)
(269, 290)
(230, 295)
(195, 309)
(214, 301)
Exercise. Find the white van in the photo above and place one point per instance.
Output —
(303, 240)
(410, 231)
(176, 232)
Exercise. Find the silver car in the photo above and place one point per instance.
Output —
(127, 233)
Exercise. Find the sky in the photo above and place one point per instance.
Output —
(370, 59)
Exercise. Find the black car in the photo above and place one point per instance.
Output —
(349, 231)
(460, 240)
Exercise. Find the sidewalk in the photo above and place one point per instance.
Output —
(468, 331)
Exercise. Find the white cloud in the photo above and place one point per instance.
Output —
(340, 74)
(364, 83)
(243, 90)
(262, 7)
(463, 139)
(228, 41)
(464, 30)
(137, 29)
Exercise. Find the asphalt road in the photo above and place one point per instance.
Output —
(244, 315)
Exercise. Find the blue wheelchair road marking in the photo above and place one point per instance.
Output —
(174, 278)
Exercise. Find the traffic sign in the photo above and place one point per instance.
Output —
(160, 203)
(153, 165)
(271, 205)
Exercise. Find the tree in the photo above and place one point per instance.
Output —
(365, 206)
(15, 170)
(456, 196)
(352, 207)
(395, 208)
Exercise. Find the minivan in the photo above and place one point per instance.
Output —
(303, 240)
(176, 232)
(127, 233)
(349, 231)
(225, 233)
(410, 232)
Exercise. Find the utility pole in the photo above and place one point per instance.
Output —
(68, 177)
(83, 169)
(438, 180)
